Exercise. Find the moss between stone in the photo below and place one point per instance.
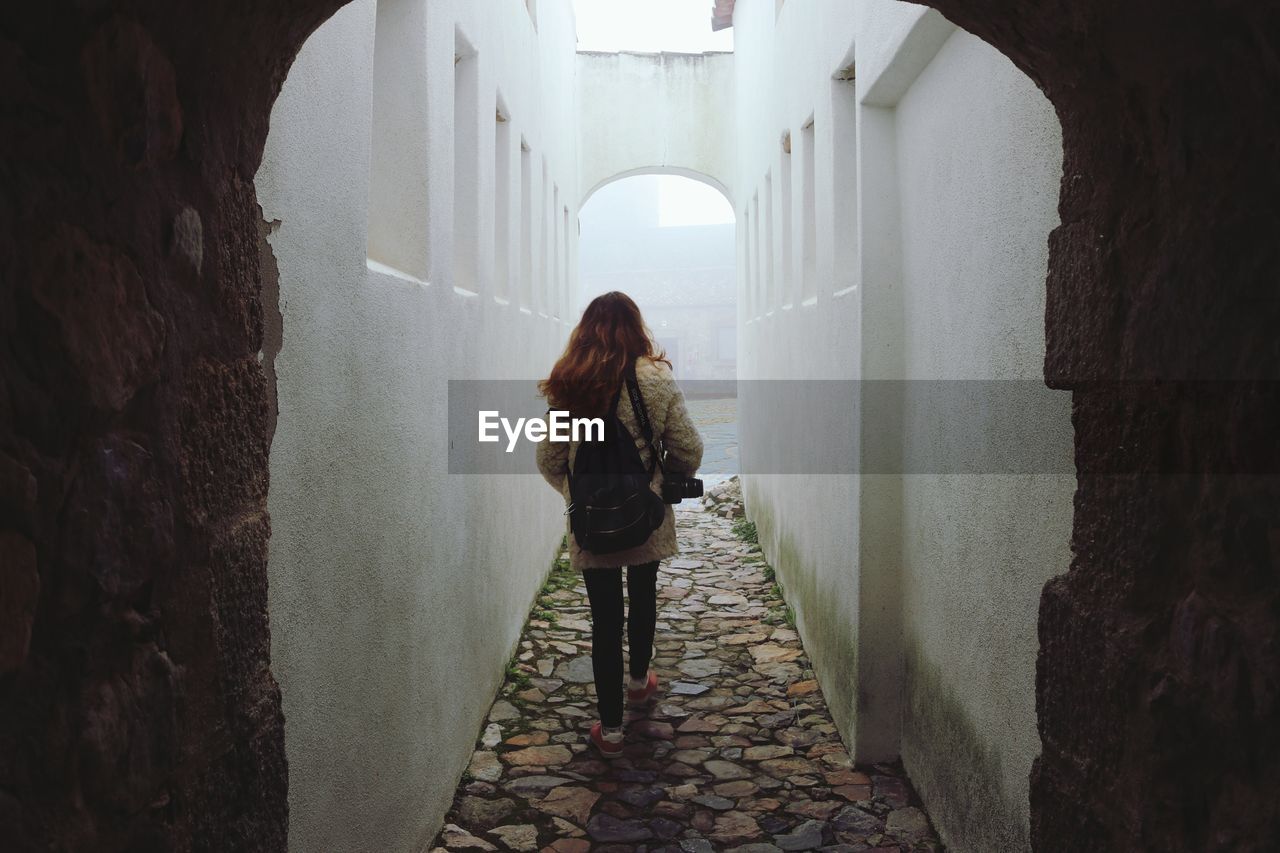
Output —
(746, 531)
(833, 655)
(517, 675)
(516, 678)
(782, 613)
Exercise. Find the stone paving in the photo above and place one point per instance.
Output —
(737, 753)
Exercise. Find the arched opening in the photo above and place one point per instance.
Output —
(135, 424)
(668, 241)
(675, 171)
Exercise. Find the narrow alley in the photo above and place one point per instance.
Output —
(737, 752)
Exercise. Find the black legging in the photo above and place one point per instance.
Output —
(604, 590)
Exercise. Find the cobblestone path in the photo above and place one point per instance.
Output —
(738, 753)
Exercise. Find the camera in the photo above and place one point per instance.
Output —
(676, 489)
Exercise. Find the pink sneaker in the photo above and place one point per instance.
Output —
(639, 696)
(609, 745)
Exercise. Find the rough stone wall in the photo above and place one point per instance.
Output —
(137, 708)
(1157, 694)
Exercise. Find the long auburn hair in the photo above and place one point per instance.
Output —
(610, 335)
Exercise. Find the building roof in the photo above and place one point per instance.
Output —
(722, 15)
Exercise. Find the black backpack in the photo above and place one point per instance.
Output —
(612, 508)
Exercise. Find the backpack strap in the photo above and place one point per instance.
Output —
(613, 404)
(642, 415)
(613, 407)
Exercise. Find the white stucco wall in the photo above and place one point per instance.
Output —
(396, 590)
(920, 614)
(656, 113)
(979, 163)
(792, 331)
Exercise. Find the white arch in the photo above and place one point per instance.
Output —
(655, 113)
(679, 171)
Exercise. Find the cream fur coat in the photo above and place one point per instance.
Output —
(671, 423)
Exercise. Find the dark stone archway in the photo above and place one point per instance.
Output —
(137, 708)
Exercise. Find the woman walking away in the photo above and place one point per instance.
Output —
(610, 344)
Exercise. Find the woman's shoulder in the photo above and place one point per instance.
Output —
(649, 367)
(655, 378)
